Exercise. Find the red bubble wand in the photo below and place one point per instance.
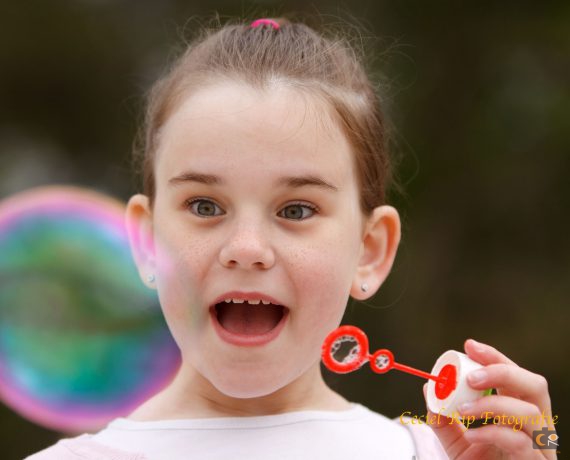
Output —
(381, 361)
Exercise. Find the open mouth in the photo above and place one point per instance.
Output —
(249, 319)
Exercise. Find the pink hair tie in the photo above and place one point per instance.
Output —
(265, 22)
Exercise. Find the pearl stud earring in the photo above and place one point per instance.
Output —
(364, 287)
(151, 278)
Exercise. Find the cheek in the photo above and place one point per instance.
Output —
(323, 275)
(181, 264)
(181, 258)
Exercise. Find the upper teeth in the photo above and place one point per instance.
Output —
(253, 302)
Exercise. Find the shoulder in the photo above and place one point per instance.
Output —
(377, 436)
(380, 423)
(426, 441)
(400, 432)
(83, 448)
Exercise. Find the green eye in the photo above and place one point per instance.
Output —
(299, 211)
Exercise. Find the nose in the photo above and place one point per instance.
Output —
(247, 247)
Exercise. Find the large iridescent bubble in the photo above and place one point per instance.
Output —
(82, 340)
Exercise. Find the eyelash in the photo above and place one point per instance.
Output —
(190, 202)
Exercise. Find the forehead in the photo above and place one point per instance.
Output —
(231, 127)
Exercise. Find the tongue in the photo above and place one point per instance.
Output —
(242, 318)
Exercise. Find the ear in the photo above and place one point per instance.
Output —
(138, 220)
(378, 250)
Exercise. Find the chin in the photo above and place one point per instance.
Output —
(247, 388)
(254, 380)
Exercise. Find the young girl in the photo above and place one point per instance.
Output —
(264, 209)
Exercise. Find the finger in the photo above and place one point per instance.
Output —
(534, 387)
(513, 381)
(515, 443)
(505, 411)
(485, 354)
(449, 433)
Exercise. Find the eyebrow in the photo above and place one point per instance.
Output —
(289, 181)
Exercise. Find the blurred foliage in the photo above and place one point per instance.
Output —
(479, 100)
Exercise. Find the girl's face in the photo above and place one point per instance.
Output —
(276, 211)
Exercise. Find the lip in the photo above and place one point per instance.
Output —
(242, 340)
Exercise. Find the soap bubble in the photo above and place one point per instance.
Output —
(82, 339)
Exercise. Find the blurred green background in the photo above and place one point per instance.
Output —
(479, 97)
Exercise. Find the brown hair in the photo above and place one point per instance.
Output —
(328, 67)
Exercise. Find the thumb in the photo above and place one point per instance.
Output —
(448, 430)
